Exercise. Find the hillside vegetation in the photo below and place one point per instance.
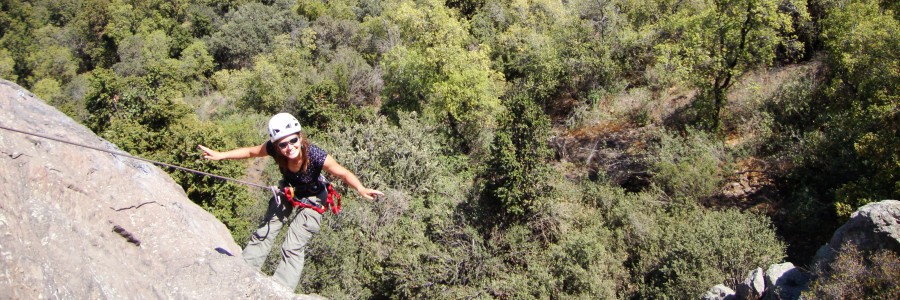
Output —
(527, 148)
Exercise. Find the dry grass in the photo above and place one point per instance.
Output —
(610, 134)
(743, 119)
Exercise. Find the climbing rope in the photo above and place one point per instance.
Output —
(142, 159)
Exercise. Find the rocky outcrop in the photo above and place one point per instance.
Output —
(874, 226)
(78, 223)
(780, 281)
(784, 281)
(753, 286)
(719, 292)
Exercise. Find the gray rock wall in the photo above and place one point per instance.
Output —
(78, 223)
(874, 226)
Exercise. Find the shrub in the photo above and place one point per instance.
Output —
(250, 30)
(588, 261)
(855, 274)
(695, 248)
(410, 243)
(677, 250)
(632, 216)
(7, 66)
(518, 172)
(688, 166)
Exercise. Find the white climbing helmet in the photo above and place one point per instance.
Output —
(282, 125)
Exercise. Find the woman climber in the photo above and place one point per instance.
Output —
(301, 165)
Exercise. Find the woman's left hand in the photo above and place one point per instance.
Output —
(370, 194)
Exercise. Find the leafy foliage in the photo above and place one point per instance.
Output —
(675, 249)
(832, 131)
(177, 143)
(142, 112)
(7, 65)
(688, 167)
(696, 249)
(401, 242)
(451, 107)
(712, 43)
(859, 37)
(517, 173)
(436, 73)
(858, 275)
(18, 23)
(250, 30)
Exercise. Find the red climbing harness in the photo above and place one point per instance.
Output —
(305, 203)
(335, 208)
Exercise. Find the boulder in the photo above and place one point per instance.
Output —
(78, 223)
(753, 285)
(874, 226)
(824, 255)
(719, 292)
(784, 281)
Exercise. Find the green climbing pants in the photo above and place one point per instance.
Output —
(302, 227)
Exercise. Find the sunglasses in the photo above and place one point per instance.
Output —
(292, 141)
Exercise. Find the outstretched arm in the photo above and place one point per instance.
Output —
(239, 153)
(334, 168)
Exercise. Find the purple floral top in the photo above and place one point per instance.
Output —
(307, 183)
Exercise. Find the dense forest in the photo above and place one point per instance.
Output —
(527, 148)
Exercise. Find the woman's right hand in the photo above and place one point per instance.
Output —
(210, 153)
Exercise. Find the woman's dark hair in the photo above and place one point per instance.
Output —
(282, 161)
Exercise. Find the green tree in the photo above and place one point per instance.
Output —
(518, 172)
(602, 48)
(54, 62)
(48, 89)
(17, 26)
(195, 62)
(466, 7)
(861, 39)
(342, 9)
(436, 73)
(250, 30)
(123, 21)
(712, 43)
(555, 51)
(95, 49)
(522, 36)
(287, 79)
(176, 144)
(7, 66)
(145, 116)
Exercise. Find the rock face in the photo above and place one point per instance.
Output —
(784, 281)
(719, 292)
(753, 286)
(872, 227)
(78, 223)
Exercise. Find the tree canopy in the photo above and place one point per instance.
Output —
(528, 148)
